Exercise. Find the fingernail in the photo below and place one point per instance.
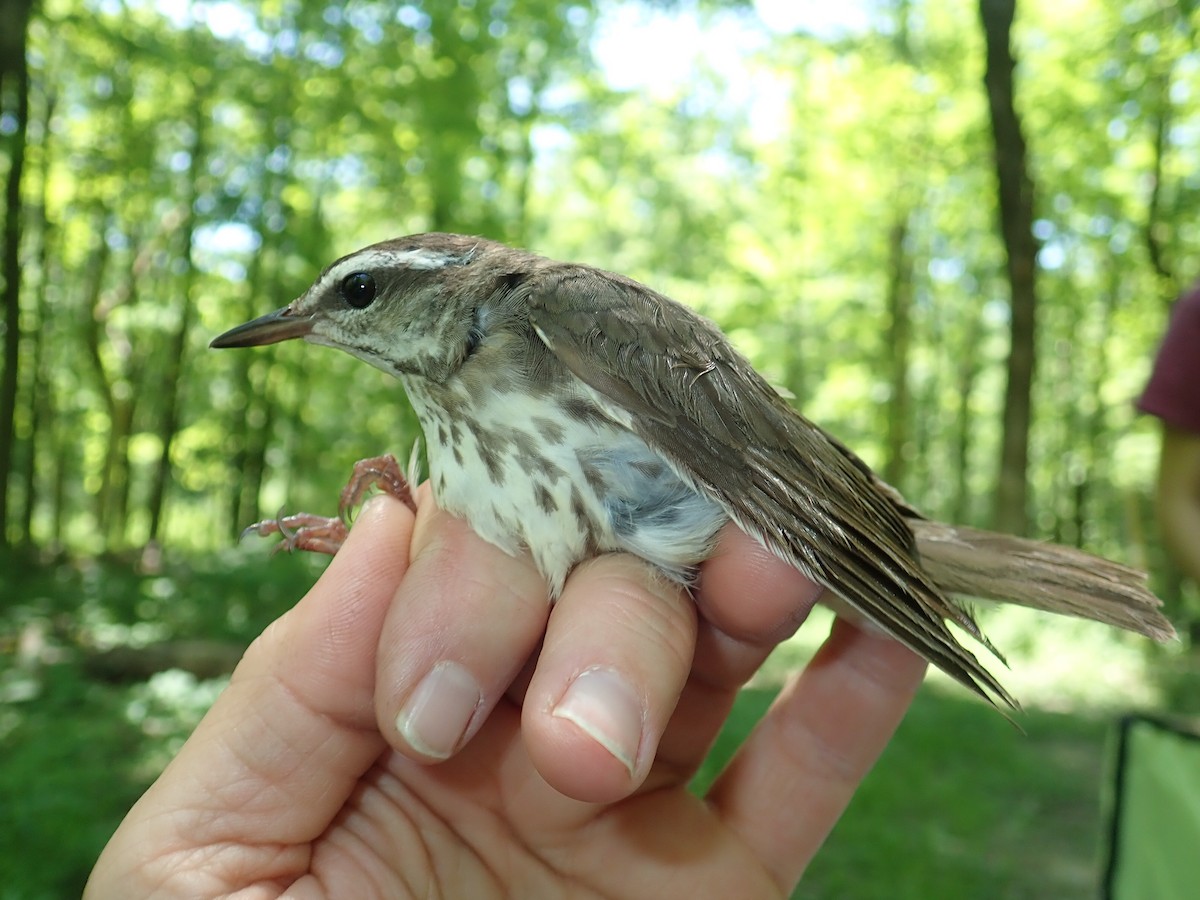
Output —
(604, 706)
(437, 714)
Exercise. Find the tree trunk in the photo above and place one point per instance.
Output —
(1097, 439)
(117, 468)
(899, 345)
(249, 431)
(40, 390)
(93, 328)
(1015, 190)
(966, 376)
(250, 426)
(173, 374)
(454, 127)
(58, 495)
(1156, 231)
(14, 68)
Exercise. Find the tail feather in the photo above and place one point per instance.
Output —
(1043, 576)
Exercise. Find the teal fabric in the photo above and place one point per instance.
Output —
(1154, 851)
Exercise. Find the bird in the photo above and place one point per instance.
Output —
(569, 411)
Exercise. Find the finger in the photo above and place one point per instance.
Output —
(465, 619)
(276, 756)
(793, 777)
(616, 655)
(751, 594)
(749, 601)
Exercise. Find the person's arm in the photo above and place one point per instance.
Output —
(1179, 498)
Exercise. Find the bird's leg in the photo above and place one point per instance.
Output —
(377, 471)
(326, 534)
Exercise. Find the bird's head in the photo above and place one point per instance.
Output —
(412, 305)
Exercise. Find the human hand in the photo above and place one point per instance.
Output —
(300, 781)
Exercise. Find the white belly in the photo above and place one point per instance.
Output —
(525, 475)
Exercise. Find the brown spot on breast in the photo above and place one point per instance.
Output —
(492, 461)
(524, 442)
(582, 410)
(586, 526)
(580, 511)
(545, 466)
(544, 498)
(529, 455)
(593, 476)
(550, 430)
(499, 439)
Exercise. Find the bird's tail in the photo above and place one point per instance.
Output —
(1044, 576)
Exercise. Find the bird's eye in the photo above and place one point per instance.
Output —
(358, 289)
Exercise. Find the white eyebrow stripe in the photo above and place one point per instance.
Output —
(422, 258)
(416, 258)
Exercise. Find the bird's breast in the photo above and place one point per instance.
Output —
(557, 474)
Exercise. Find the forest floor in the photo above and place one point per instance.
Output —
(963, 804)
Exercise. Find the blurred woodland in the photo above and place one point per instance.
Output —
(953, 235)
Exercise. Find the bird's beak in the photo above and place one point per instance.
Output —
(281, 325)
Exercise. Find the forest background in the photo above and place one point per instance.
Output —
(952, 233)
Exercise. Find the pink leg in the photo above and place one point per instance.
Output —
(377, 471)
(324, 534)
(303, 531)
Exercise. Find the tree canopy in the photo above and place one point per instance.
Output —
(829, 196)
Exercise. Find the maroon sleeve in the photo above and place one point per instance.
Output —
(1173, 393)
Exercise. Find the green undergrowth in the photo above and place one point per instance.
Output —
(962, 804)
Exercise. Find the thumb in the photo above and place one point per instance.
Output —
(276, 757)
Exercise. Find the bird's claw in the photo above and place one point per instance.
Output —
(326, 534)
(303, 531)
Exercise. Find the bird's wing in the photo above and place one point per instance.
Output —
(724, 430)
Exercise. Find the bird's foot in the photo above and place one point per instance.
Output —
(382, 472)
(303, 531)
(326, 534)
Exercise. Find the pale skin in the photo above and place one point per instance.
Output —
(299, 783)
(1179, 498)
